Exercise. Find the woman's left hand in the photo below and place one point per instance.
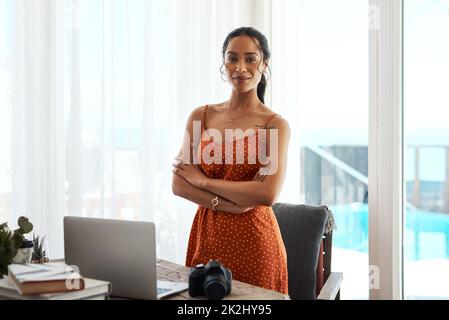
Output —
(192, 173)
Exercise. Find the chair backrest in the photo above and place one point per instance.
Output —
(302, 228)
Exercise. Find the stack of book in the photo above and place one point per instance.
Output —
(50, 281)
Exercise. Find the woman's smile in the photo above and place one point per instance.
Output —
(241, 79)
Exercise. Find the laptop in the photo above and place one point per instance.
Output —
(118, 251)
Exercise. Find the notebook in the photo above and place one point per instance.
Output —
(44, 278)
(93, 290)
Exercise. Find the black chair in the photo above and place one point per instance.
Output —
(307, 235)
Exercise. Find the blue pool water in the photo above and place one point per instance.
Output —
(426, 233)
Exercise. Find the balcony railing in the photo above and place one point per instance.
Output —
(338, 175)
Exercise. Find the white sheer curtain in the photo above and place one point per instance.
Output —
(100, 92)
(36, 115)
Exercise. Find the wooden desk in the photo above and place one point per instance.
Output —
(240, 291)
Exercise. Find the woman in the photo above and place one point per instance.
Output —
(234, 222)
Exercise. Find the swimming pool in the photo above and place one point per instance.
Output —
(426, 233)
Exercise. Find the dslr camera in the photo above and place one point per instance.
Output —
(212, 280)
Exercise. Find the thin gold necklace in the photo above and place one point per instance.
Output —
(227, 113)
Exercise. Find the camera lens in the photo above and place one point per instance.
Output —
(215, 287)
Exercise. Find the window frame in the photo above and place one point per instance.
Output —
(386, 149)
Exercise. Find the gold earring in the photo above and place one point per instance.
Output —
(222, 72)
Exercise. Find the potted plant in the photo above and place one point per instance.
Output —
(24, 247)
(14, 247)
(7, 248)
(39, 254)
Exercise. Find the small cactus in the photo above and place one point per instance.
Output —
(39, 254)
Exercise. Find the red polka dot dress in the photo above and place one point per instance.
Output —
(249, 244)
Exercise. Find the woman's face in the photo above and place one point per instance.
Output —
(244, 63)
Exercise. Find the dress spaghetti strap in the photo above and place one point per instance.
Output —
(269, 119)
(203, 124)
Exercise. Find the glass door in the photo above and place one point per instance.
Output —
(426, 156)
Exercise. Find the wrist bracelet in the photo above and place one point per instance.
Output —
(214, 202)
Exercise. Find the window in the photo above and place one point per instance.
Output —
(426, 100)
